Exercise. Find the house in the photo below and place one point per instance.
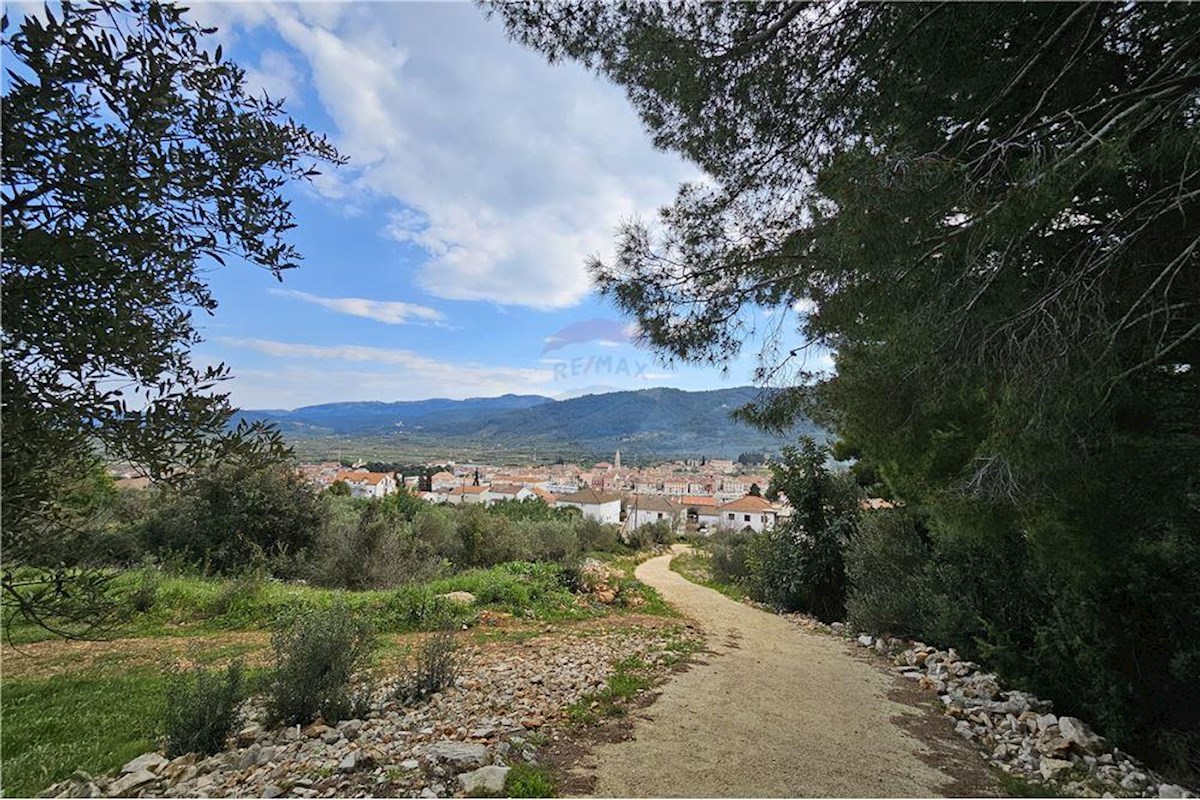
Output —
(594, 505)
(545, 496)
(506, 491)
(751, 511)
(699, 510)
(466, 495)
(648, 509)
(443, 480)
(367, 484)
(675, 487)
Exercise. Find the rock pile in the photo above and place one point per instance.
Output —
(505, 704)
(1015, 730)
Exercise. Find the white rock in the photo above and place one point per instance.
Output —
(1051, 768)
(152, 762)
(1172, 790)
(485, 780)
(866, 640)
(128, 784)
(1079, 734)
(459, 598)
(462, 755)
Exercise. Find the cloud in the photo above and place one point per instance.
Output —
(386, 311)
(278, 76)
(506, 171)
(420, 376)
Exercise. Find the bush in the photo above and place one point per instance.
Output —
(201, 709)
(594, 535)
(729, 549)
(362, 550)
(885, 561)
(436, 668)
(144, 594)
(417, 605)
(235, 515)
(526, 780)
(317, 655)
(234, 603)
(651, 534)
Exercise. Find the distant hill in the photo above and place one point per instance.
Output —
(648, 422)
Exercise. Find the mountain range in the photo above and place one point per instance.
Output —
(663, 422)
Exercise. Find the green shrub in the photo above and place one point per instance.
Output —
(885, 561)
(729, 549)
(594, 535)
(417, 605)
(317, 655)
(144, 594)
(651, 534)
(201, 709)
(235, 601)
(526, 780)
(435, 668)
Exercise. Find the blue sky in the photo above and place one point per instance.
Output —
(450, 251)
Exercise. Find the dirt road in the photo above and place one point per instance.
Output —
(777, 711)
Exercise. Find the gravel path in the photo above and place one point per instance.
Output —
(774, 710)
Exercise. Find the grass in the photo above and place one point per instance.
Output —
(524, 780)
(696, 566)
(1019, 786)
(191, 605)
(54, 726)
(630, 677)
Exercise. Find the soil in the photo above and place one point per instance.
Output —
(774, 710)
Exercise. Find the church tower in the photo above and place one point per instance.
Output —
(617, 460)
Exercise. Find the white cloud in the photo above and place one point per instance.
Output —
(387, 311)
(278, 76)
(366, 373)
(507, 171)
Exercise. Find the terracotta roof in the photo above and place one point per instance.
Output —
(749, 503)
(697, 500)
(653, 502)
(505, 488)
(542, 493)
(589, 496)
(468, 490)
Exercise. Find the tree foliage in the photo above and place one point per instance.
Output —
(988, 212)
(133, 157)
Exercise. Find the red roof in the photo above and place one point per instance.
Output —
(750, 503)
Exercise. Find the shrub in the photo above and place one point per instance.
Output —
(144, 594)
(595, 536)
(526, 780)
(317, 654)
(885, 560)
(417, 605)
(363, 550)
(435, 668)
(729, 550)
(201, 709)
(651, 534)
(234, 603)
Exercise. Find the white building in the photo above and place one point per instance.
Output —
(755, 513)
(368, 484)
(506, 491)
(594, 505)
(443, 480)
(466, 495)
(648, 509)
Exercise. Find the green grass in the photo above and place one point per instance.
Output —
(524, 780)
(52, 727)
(630, 676)
(1019, 786)
(697, 568)
(190, 605)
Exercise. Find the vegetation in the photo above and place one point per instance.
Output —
(134, 158)
(201, 709)
(978, 209)
(526, 780)
(51, 725)
(630, 677)
(435, 667)
(317, 656)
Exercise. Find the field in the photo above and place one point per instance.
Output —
(93, 705)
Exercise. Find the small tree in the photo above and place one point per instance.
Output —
(132, 157)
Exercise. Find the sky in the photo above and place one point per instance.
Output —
(447, 259)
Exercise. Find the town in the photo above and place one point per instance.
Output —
(691, 496)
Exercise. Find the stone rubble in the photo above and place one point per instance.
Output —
(1014, 730)
(507, 702)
